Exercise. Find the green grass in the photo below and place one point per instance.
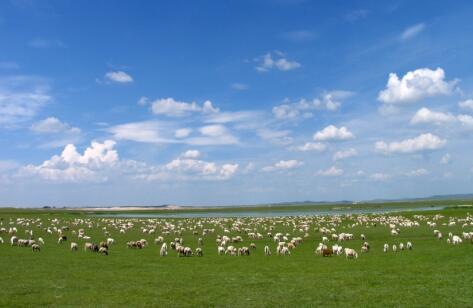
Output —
(433, 274)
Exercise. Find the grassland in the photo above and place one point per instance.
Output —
(432, 274)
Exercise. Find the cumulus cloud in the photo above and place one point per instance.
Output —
(330, 101)
(53, 125)
(465, 120)
(172, 108)
(466, 104)
(344, 154)
(188, 167)
(412, 31)
(332, 171)
(267, 62)
(191, 154)
(118, 77)
(284, 165)
(71, 166)
(416, 85)
(333, 133)
(310, 146)
(425, 115)
(421, 143)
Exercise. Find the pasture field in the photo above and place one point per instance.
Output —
(434, 273)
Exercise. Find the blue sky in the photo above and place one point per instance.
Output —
(237, 102)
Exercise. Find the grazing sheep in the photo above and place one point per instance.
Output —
(401, 246)
(267, 251)
(36, 247)
(1, 240)
(41, 241)
(386, 247)
(351, 253)
(253, 246)
(74, 246)
(439, 236)
(363, 237)
(456, 240)
(14, 241)
(164, 250)
(327, 252)
(364, 249)
(103, 251)
(110, 241)
(394, 248)
(198, 252)
(409, 245)
(221, 250)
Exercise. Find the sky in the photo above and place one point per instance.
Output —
(233, 102)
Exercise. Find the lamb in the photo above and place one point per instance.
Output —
(36, 247)
(74, 246)
(221, 250)
(409, 245)
(41, 241)
(253, 246)
(198, 252)
(14, 241)
(110, 241)
(401, 246)
(267, 251)
(285, 251)
(439, 236)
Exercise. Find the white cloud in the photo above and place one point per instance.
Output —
(417, 172)
(182, 132)
(412, 31)
(380, 177)
(190, 168)
(172, 108)
(465, 120)
(214, 134)
(53, 125)
(331, 133)
(445, 159)
(284, 165)
(232, 117)
(191, 154)
(213, 130)
(467, 104)
(147, 132)
(332, 171)
(344, 154)
(266, 63)
(119, 77)
(21, 97)
(330, 101)
(421, 143)
(143, 101)
(71, 166)
(425, 115)
(416, 85)
(310, 146)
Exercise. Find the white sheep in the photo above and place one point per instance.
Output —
(394, 248)
(409, 245)
(351, 253)
(386, 247)
(74, 246)
(164, 250)
(267, 251)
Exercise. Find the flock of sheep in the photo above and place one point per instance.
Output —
(231, 234)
